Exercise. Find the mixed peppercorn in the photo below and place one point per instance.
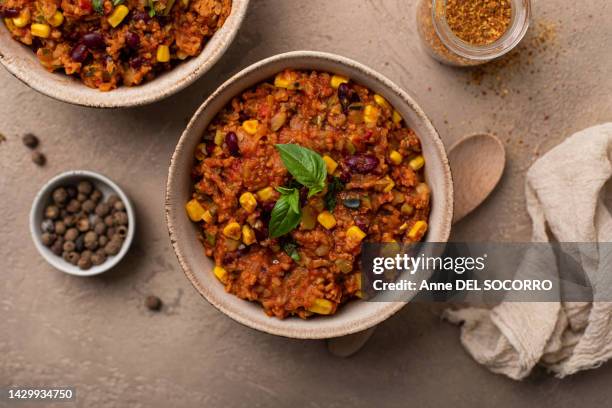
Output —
(82, 227)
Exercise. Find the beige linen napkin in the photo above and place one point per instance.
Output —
(564, 192)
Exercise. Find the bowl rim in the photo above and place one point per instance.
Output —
(363, 321)
(40, 201)
(90, 97)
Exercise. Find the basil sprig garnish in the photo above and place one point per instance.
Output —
(286, 214)
(334, 187)
(309, 170)
(305, 165)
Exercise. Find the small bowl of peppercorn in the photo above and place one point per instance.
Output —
(82, 223)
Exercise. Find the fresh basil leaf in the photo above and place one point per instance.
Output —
(290, 249)
(331, 197)
(305, 165)
(98, 6)
(286, 215)
(285, 190)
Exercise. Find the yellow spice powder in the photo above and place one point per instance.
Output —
(479, 22)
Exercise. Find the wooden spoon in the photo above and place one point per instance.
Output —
(477, 163)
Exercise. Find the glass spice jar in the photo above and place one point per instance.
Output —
(442, 43)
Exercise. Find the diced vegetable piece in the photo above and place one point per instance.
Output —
(231, 244)
(344, 265)
(309, 218)
(337, 80)
(200, 152)
(163, 53)
(248, 235)
(248, 202)
(352, 202)
(417, 163)
(397, 118)
(418, 230)
(56, 19)
(283, 80)
(118, 14)
(389, 184)
(232, 230)
(358, 280)
(220, 273)
(181, 55)
(207, 217)
(219, 137)
(381, 101)
(407, 209)
(321, 306)
(396, 157)
(195, 211)
(278, 121)
(327, 220)
(355, 233)
(330, 163)
(250, 126)
(370, 115)
(403, 227)
(40, 30)
(265, 194)
(185, 3)
(23, 19)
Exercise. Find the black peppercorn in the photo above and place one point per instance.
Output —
(57, 247)
(47, 239)
(85, 187)
(84, 263)
(52, 212)
(73, 258)
(100, 228)
(96, 195)
(121, 231)
(38, 158)
(112, 199)
(47, 226)
(102, 209)
(120, 218)
(91, 240)
(88, 206)
(72, 192)
(60, 196)
(153, 303)
(30, 140)
(60, 228)
(79, 244)
(69, 246)
(71, 234)
(73, 206)
(113, 247)
(98, 258)
(69, 221)
(81, 197)
(119, 206)
(83, 224)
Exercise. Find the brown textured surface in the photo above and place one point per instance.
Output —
(97, 335)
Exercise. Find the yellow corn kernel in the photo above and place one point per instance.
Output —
(327, 219)
(233, 230)
(397, 118)
(407, 209)
(321, 306)
(207, 217)
(358, 280)
(418, 230)
(390, 184)
(163, 53)
(219, 137)
(381, 101)
(250, 126)
(185, 3)
(370, 114)
(396, 157)
(118, 14)
(220, 273)
(330, 163)
(337, 80)
(248, 235)
(355, 233)
(265, 194)
(403, 227)
(200, 152)
(56, 19)
(23, 19)
(40, 30)
(417, 163)
(248, 202)
(195, 211)
(282, 80)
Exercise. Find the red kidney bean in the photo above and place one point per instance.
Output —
(231, 140)
(362, 163)
(85, 5)
(93, 40)
(10, 13)
(363, 223)
(132, 40)
(261, 234)
(79, 53)
(344, 95)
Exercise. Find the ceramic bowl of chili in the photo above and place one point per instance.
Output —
(173, 75)
(353, 316)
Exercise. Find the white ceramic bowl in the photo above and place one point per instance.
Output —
(43, 198)
(22, 62)
(354, 316)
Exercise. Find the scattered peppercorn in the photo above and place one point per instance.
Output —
(38, 158)
(30, 140)
(153, 303)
